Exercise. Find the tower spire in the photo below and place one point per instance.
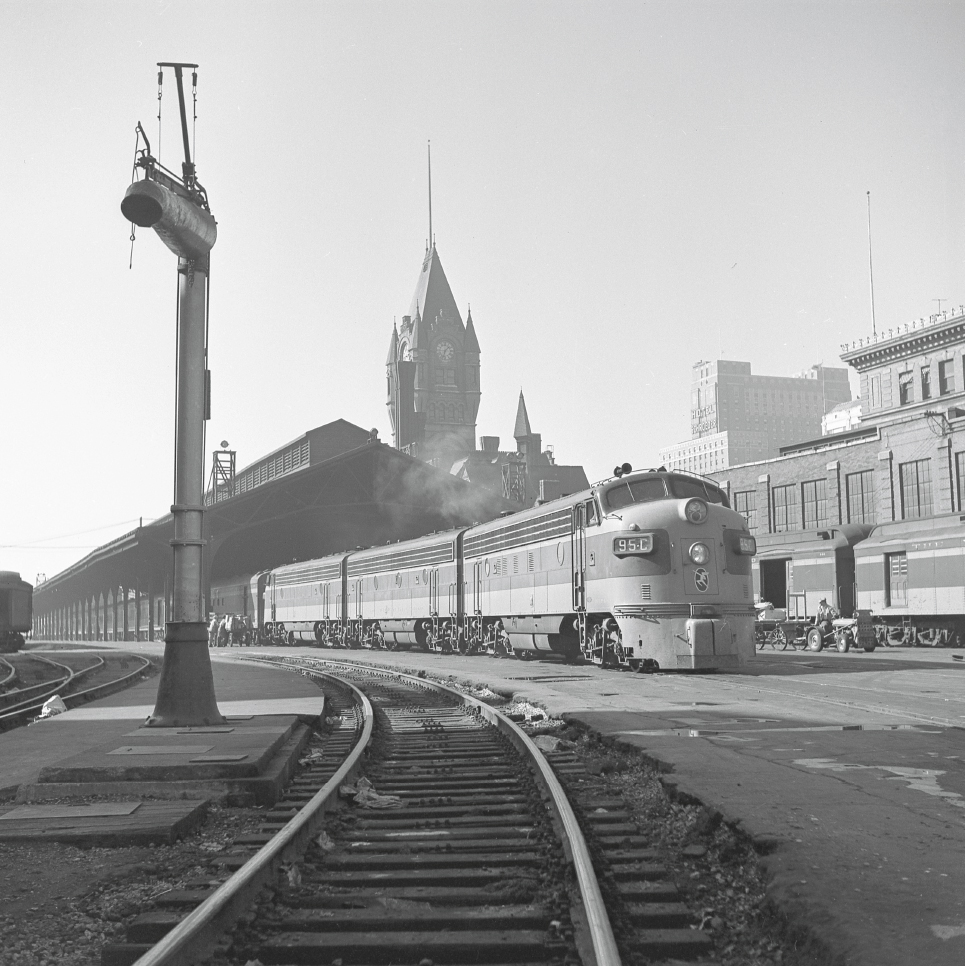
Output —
(432, 241)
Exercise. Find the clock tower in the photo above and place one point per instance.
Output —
(433, 373)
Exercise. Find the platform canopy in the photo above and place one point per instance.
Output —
(335, 488)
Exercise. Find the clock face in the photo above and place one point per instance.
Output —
(445, 351)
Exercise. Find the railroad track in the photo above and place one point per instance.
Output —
(20, 706)
(459, 846)
(53, 674)
(8, 673)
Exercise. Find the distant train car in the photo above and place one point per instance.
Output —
(16, 611)
(407, 594)
(304, 602)
(911, 574)
(796, 570)
(231, 595)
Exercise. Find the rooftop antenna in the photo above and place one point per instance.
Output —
(939, 301)
(432, 241)
(871, 273)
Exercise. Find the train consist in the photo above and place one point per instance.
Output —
(16, 611)
(909, 575)
(647, 570)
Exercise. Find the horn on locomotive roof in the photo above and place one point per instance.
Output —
(619, 471)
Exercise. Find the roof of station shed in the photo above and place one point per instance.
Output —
(335, 488)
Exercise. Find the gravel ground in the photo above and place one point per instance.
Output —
(718, 873)
(60, 904)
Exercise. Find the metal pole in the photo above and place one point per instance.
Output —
(871, 273)
(185, 695)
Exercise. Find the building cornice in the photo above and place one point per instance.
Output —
(915, 339)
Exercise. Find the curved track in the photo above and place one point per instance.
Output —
(17, 708)
(8, 673)
(471, 853)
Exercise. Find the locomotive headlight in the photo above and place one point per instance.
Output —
(695, 511)
(699, 553)
(747, 545)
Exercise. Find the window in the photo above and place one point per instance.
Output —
(784, 503)
(926, 381)
(896, 576)
(946, 376)
(639, 491)
(814, 503)
(915, 480)
(745, 503)
(860, 489)
(684, 488)
(904, 388)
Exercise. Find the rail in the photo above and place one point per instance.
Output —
(10, 675)
(8, 716)
(574, 844)
(45, 688)
(200, 929)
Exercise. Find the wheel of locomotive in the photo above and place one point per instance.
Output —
(291, 638)
(843, 641)
(780, 639)
(814, 639)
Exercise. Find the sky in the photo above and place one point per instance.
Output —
(619, 190)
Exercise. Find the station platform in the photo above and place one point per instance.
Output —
(152, 784)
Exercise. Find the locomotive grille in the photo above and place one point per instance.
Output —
(402, 559)
(550, 525)
(645, 592)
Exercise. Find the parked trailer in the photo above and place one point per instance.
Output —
(911, 575)
(797, 570)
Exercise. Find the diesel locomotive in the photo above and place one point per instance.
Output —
(647, 570)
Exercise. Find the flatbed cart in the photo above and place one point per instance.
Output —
(769, 627)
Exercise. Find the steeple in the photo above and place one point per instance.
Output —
(522, 429)
(433, 372)
(393, 346)
(432, 300)
(472, 344)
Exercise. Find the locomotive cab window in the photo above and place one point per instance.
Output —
(636, 491)
(684, 488)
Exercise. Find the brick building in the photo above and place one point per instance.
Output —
(904, 461)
